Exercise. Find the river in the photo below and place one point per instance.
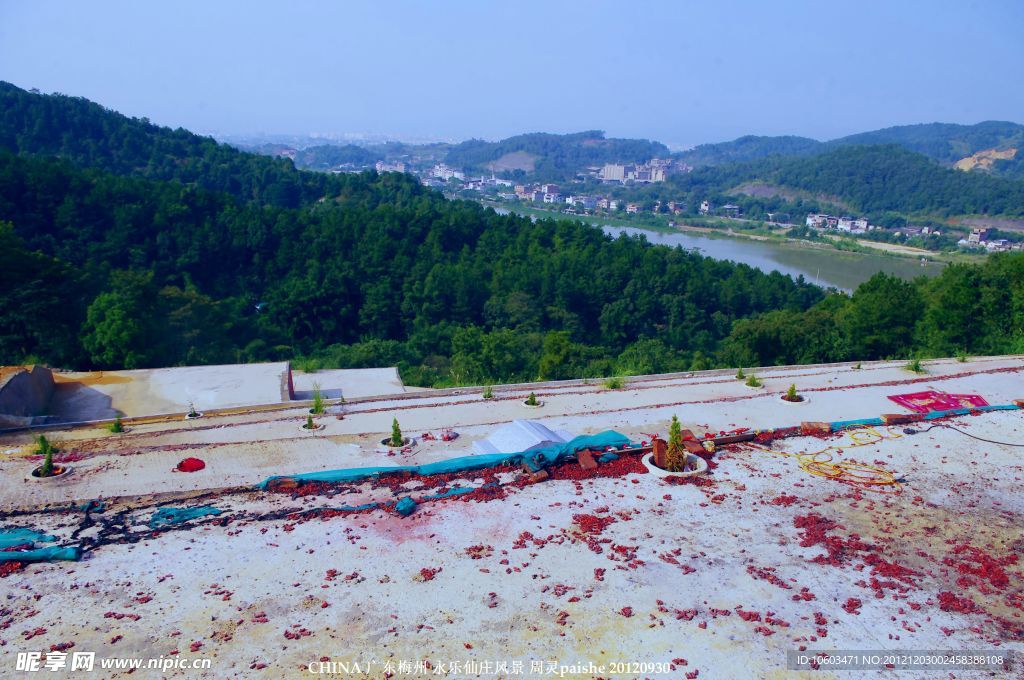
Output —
(826, 267)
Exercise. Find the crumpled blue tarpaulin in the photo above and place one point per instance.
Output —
(535, 460)
(168, 516)
(16, 536)
(20, 536)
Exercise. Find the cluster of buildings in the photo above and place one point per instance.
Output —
(383, 166)
(850, 225)
(860, 225)
(654, 170)
(978, 238)
(727, 210)
(575, 203)
(982, 238)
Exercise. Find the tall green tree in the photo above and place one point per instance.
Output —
(119, 330)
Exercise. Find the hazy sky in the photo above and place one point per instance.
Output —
(676, 71)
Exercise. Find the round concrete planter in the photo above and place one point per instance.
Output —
(537, 405)
(751, 387)
(387, 442)
(65, 472)
(193, 416)
(697, 464)
(804, 399)
(316, 427)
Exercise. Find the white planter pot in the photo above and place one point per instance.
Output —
(697, 464)
(65, 473)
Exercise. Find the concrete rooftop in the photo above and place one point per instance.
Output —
(719, 577)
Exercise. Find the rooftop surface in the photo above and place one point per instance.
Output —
(722, 576)
(97, 395)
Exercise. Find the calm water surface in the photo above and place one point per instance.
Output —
(825, 266)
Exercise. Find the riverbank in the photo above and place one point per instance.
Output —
(731, 230)
(839, 266)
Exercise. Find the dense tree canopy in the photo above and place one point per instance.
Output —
(127, 245)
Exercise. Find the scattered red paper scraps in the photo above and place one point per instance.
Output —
(428, 573)
(948, 602)
(190, 465)
(852, 605)
(839, 550)
(971, 561)
(8, 568)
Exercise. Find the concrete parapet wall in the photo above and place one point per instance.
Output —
(26, 392)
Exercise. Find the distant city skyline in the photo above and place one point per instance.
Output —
(682, 73)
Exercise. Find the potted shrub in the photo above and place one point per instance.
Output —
(532, 402)
(488, 393)
(753, 382)
(791, 396)
(396, 440)
(677, 461)
(740, 375)
(117, 427)
(48, 469)
(675, 455)
(915, 366)
(192, 412)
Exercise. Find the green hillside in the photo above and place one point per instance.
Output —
(85, 133)
(871, 180)
(559, 157)
(749, 148)
(945, 142)
(106, 261)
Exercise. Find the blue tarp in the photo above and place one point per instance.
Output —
(48, 554)
(13, 537)
(931, 415)
(167, 516)
(535, 460)
(10, 538)
(405, 506)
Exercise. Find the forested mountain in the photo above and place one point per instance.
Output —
(750, 148)
(881, 178)
(945, 142)
(89, 135)
(327, 156)
(558, 157)
(888, 184)
(182, 259)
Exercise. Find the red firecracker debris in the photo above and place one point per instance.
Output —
(428, 573)
(852, 605)
(948, 602)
